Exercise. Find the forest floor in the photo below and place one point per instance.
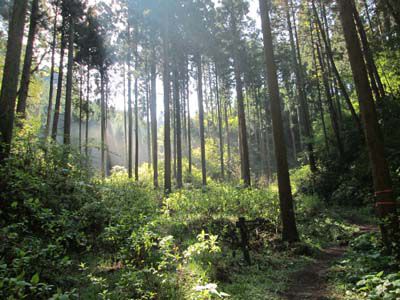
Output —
(311, 283)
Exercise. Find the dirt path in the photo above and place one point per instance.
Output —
(311, 282)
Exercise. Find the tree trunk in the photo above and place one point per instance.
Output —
(201, 117)
(189, 125)
(80, 110)
(26, 71)
(153, 109)
(136, 119)
(167, 114)
(102, 122)
(125, 113)
(335, 70)
(148, 139)
(228, 138)
(178, 133)
(243, 143)
(130, 123)
(289, 229)
(51, 87)
(220, 134)
(300, 90)
(68, 91)
(9, 85)
(332, 112)
(59, 84)
(87, 112)
(376, 83)
(385, 201)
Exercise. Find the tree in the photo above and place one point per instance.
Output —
(60, 80)
(385, 201)
(9, 85)
(26, 71)
(201, 118)
(68, 88)
(289, 229)
(167, 114)
(153, 113)
(51, 86)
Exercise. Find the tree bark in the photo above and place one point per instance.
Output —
(385, 200)
(153, 109)
(136, 111)
(243, 143)
(9, 85)
(87, 112)
(178, 133)
(68, 87)
(102, 122)
(300, 90)
(335, 70)
(201, 118)
(289, 229)
(130, 123)
(26, 71)
(51, 87)
(220, 133)
(167, 114)
(59, 83)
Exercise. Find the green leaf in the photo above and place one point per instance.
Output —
(35, 279)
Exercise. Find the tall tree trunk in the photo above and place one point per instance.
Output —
(59, 83)
(177, 126)
(153, 109)
(189, 137)
(386, 203)
(167, 114)
(201, 117)
(102, 121)
(243, 143)
(376, 83)
(80, 110)
(130, 123)
(319, 98)
(51, 86)
(148, 139)
(87, 112)
(296, 56)
(136, 118)
(26, 71)
(68, 87)
(335, 70)
(125, 118)
(9, 85)
(332, 111)
(228, 138)
(289, 229)
(220, 133)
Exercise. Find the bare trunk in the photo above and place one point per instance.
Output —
(51, 87)
(9, 85)
(26, 71)
(201, 117)
(178, 133)
(289, 229)
(68, 91)
(59, 84)
(153, 109)
(385, 201)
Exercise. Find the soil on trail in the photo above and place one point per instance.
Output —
(311, 283)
